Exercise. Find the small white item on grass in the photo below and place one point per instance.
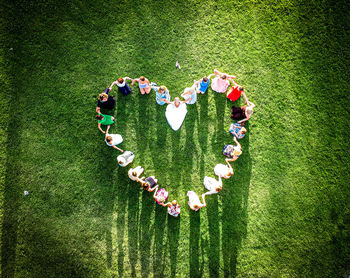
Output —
(11, 48)
(26, 192)
(177, 65)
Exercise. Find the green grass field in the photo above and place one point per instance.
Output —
(285, 212)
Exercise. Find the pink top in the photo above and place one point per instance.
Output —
(161, 193)
(220, 85)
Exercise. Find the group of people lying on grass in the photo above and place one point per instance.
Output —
(175, 110)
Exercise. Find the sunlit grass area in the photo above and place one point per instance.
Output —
(284, 213)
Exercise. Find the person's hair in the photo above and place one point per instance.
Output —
(99, 117)
(240, 88)
(205, 79)
(196, 206)
(109, 138)
(244, 130)
(121, 160)
(161, 199)
(218, 189)
(142, 78)
(102, 96)
(174, 202)
(120, 80)
(145, 185)
(223, 76)
(163, 88)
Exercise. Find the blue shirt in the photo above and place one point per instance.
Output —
(235, 130)
(203, 86)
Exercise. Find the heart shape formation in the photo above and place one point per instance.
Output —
(175, 114)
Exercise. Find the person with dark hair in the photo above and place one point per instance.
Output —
(144, 85)
(123, 86)
(204, 83)
(221, 82)
(243, 113)
(104, 120)
(235, 92)
(149, 184)
(105, 101)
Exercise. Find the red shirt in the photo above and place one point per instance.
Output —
(234, 93)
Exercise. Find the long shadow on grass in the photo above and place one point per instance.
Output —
(11, 195)
(234, 209)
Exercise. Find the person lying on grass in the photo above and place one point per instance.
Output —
(160, 196)
(224, 171)
(104, 100)
(123, 86)
(235, 92)
(232, 152)
(104, 120)
(113, 140)
(149, 184)
(204, 83)
(243, 113)
(214, 186)
(135, 173)
(194, 202)
(221, 82)
(190, 93)
(237, 130)
(162, 94)
(144, 85)
(173, 208)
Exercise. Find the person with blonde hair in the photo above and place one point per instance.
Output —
(232, 152)
(237, 130)
(125, 158)
(144, 85)
(190, 93)
(162, 94)
(113, 140)
(194, 202)
(105, 101)
(173, 208)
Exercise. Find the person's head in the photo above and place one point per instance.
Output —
(196, 207)
(120, 80)
(161, 199)
(99, 117)
(249, 111)
(240, 88)
(205, 79)
(102, 97)
(243, 130)
(174, 202)
(176, 101)
(145, 185)
(223, 76)
(162, 89)
(218, 189)
(109, 139)
(121, 160)
(142, 78)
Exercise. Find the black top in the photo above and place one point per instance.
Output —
(109, 104)
(151, 182)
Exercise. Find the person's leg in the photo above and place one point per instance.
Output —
(127, 88)
(142, 91)
(148, 90)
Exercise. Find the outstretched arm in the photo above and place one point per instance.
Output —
(127, 78)
(251, 104)
(154, 188)
(217, 72)
(245, 97)
(117, 148)
(211, 75)
(228, 164)
(246, 119)
(135, 80)
(204, 203)
(99, 127)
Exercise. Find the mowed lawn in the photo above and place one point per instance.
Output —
(285, 212)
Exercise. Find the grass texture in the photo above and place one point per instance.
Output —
(285, 212)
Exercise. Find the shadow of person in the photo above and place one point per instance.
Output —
(194, 252)
(173, 241)
(234, 208)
